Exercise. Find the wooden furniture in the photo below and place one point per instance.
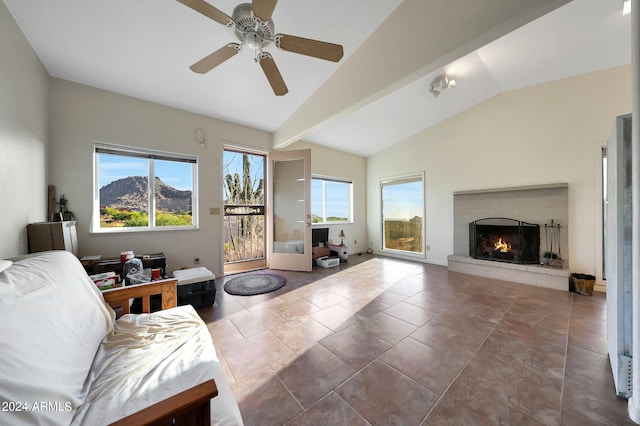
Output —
(165, 288)
(155, 368)
(190, 407)
(153, 260)
(46, 236)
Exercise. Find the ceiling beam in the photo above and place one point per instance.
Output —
(419, 37)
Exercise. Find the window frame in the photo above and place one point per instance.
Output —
(151, 155)
(324, 180)
(398, 180)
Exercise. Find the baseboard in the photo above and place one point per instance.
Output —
(634, 411)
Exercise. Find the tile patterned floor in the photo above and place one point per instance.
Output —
(382, 341)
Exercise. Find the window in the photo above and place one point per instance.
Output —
(402, 214)
(331, 200)
(138, 189)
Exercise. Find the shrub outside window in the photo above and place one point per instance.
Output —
(139, 190)
(331, 200)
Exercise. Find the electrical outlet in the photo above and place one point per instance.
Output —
(428, 248)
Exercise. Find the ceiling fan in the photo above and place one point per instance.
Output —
(253, 26)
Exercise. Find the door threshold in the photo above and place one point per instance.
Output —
(237, 268)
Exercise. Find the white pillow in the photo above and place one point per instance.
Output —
(52, 320)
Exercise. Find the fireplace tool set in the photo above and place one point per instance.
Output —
(552, 236)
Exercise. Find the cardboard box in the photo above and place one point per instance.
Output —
(106, 283)
(320, 251)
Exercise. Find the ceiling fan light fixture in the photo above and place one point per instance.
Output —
(441, 83)
(245, 23)
(253, 26)
(255, 41)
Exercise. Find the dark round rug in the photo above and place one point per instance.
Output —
(249, 285)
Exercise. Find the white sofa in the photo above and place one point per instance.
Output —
(65, 359)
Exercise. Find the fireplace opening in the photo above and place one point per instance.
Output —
(504, 240)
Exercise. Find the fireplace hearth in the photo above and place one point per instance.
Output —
(504, 240)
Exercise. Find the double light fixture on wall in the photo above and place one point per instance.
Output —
(441, 83)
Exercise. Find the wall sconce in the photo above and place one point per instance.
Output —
(342, 237)
(199, 136)
(440, 83)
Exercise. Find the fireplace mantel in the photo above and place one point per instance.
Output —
(513, 188)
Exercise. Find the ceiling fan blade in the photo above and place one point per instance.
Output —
(208, 63)
(309, 47)
(273, 75)
(209, 11)
(263, 9)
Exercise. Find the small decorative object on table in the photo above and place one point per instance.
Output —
(342, 236)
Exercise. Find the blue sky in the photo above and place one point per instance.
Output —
(114, 167)
(338, 198)
(232, 164)
(403, 201)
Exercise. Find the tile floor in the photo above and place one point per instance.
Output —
(382, 341)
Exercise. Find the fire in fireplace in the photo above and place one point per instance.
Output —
(504, 240)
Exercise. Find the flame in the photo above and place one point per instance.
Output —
(502, 246)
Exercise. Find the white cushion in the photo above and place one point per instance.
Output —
(151, 357)
(52, 320)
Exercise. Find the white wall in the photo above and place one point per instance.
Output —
(542, 134)
(23, 137)
(81, 115)
(327, 162)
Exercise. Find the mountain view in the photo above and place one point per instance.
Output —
(124, 203)
(131, 194)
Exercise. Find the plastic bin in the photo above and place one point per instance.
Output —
(582, 284)
(196, 287)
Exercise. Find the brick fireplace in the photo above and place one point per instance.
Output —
(533, 206)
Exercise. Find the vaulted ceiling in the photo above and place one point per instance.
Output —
(377, 95)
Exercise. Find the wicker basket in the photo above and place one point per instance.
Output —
(582, 283)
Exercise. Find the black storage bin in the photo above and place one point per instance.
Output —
(198, 295)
